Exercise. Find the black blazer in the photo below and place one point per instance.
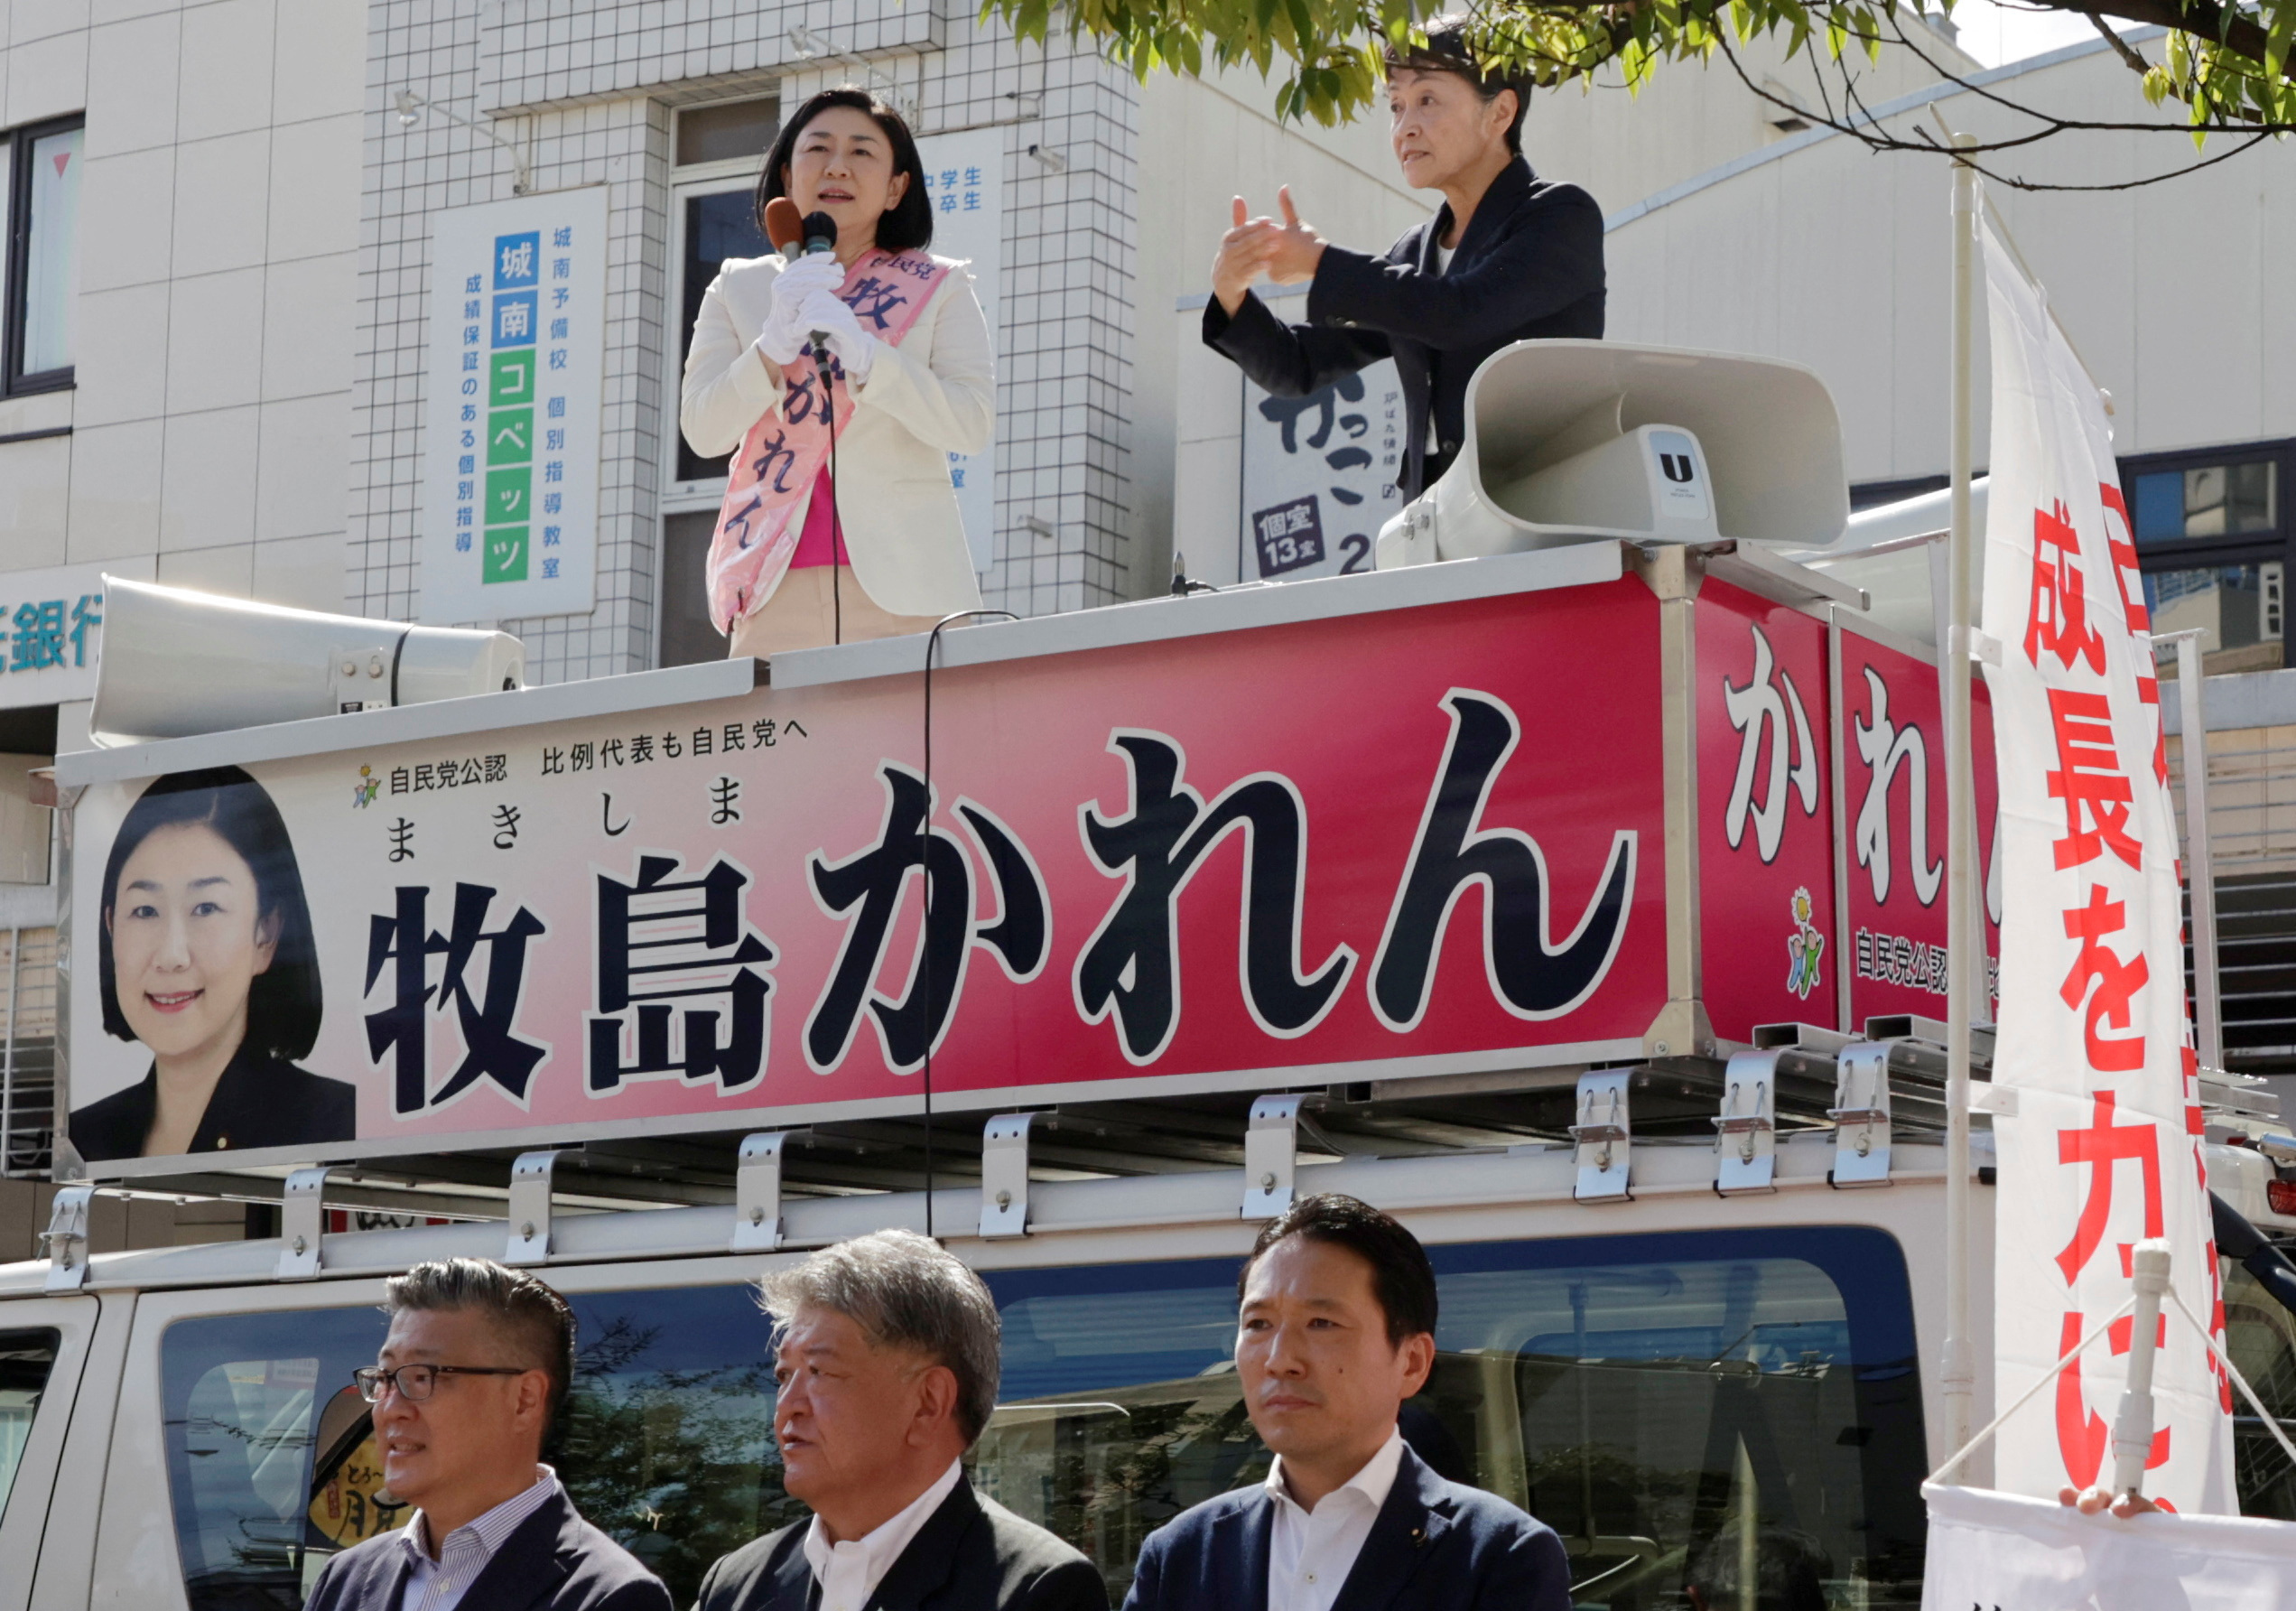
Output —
(259, 1102)
(1529, 266)
(1435, 1544)
(970, 1555)
(553, 1561)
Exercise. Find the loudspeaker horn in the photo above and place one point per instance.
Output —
(1574, 441)
(175, 663)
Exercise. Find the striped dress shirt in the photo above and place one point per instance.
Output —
(440, 1585)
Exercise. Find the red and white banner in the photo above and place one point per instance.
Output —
(1422, 841)
(1993, 1549)
(2104, 1149)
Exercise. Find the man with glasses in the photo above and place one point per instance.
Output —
(476, 1365)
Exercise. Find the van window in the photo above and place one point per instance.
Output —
(25, 1359)
(271, 1459)
(1658, 1399)
(666, 1439)
(2260, 1337)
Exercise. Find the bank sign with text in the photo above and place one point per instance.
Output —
(1418, 842)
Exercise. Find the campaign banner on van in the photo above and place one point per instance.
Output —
(1989, 1549)
(2104, 1149)
(1894, 756)
(1341, 849)
(1791, 934)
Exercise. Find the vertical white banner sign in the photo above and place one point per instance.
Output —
(511, 411)
(2105, 1148)
(1319, 475)
(964, 176)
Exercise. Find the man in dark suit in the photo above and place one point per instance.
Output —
(886, 1358)
(1336, 1330)
(1508, 257)
(477, 1362)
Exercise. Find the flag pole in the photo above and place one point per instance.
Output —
(1965, 942)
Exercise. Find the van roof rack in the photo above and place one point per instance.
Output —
(1674, 1100)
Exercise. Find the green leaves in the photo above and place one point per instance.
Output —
(2227, 64)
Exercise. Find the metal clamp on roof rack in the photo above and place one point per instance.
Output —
(756, 1193)
(1606, 1136)
(1745, 1137)
(1861, 1115)
(1270, 1155)
(1004, 1175)
(67, 1239)
(302, 1219)
(530, 1209)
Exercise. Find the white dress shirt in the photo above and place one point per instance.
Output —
(440, 1585)
(1311, 1552)
(849, 1572)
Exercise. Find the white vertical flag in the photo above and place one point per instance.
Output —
(2104, 1149)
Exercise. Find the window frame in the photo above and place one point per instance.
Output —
(2197, 553)
(13, 381)
(683, 496)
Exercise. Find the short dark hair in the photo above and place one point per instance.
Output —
(904, 1291)
(1447, 51)
(1401, 1276)
(907, 225)
(533, 1319)
(283, 1001)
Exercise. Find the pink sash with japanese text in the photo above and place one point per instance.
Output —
(759, 523)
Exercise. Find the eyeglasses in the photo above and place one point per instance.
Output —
(416, 1383)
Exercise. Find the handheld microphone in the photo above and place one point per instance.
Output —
(785, 226)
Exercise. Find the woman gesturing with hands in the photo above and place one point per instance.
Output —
(1508, 257)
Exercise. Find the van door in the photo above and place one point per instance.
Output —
(43, 1349)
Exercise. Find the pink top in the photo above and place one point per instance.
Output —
(817, 544)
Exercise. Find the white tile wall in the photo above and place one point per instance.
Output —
(208, 488)
(222, 202)
(219, 214)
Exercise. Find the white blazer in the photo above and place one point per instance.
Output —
(933, 394)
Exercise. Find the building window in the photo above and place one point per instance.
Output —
(41, 165)
(2212, 538)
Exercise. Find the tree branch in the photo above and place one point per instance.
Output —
(2121, 47)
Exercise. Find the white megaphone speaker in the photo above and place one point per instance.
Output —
(1576, 442)
(175, 663)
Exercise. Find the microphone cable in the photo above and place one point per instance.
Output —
(924, 860)
(821, 362)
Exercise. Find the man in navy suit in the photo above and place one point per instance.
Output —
(1336, 1330)
(477, 1362)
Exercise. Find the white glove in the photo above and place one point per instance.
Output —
(809, 273)
(784, 335)
(855, 349)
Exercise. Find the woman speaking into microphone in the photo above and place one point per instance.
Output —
(841, 372)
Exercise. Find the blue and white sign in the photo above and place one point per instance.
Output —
(964, 178)
(511, 413)
(52, 627)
